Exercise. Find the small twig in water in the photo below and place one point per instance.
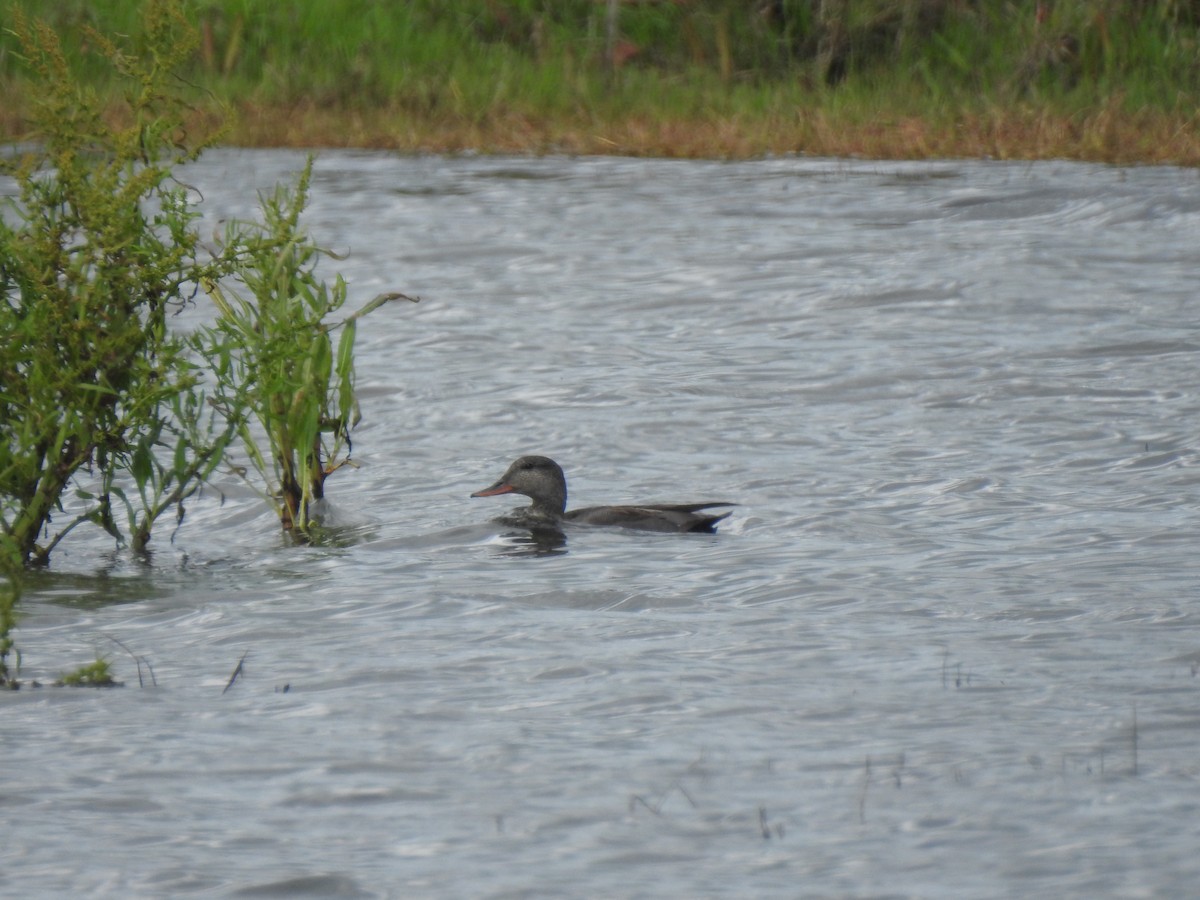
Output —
(638, 798)
(661, 800)
(138, 660)
(690, 799)
(768, 830)
(1135, 739)
(236, 672)
(862, 797)
(959, 679)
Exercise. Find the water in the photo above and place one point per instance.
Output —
(946, 646)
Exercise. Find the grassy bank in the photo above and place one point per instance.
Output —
(1098, 80)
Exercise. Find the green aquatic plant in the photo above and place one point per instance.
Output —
(280, 376)
(96, 249)
(94, 674)
(109, 416)
(9, 594)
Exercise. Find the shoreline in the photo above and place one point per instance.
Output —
(1103, 136)
(1110, 136)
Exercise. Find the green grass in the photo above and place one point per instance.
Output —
(94, 674)
(422, 69)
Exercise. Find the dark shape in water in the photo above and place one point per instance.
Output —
(541, 479)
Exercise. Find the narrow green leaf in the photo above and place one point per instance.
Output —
(141, 465)
(345, 360)
(181, 458)
(322, 364)
(379, 301)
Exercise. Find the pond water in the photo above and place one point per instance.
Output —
(946, 646)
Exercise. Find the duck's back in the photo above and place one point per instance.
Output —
(671, 517)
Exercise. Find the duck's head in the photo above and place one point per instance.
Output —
(539, 478)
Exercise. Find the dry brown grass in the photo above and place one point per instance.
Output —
(1108, 134)
(1105, 135)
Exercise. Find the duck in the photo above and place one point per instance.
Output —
(541, 479)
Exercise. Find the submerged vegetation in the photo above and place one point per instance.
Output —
(93, 674)
(1095, 79)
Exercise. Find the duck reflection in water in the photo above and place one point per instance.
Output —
(541, 479)
(536, 540)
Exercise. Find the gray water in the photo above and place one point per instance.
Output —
(946, 646)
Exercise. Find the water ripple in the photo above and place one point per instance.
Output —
(954, 402)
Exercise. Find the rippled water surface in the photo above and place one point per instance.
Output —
(946, 646)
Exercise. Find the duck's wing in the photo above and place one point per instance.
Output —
(687, 507)
(672, 517)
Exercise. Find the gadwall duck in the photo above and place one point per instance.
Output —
(541, 479)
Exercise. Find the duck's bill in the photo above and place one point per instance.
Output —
(498, 488)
